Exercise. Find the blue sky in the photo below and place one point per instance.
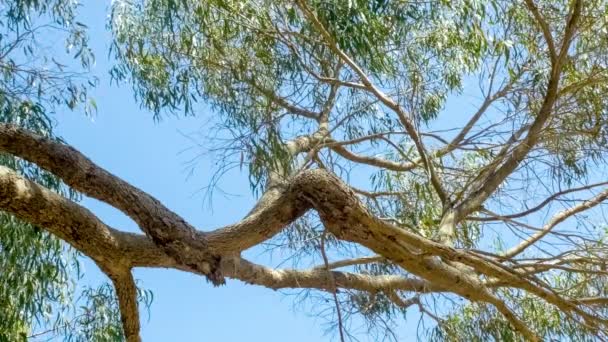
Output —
(154, 156)
(125, 140)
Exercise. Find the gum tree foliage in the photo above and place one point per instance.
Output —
(38, 272)
(481, 127)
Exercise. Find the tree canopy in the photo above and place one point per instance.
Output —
(498, 202)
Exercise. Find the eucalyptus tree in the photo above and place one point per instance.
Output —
(486, 220)
(39, 272)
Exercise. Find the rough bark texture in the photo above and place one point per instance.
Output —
(126, 291)
(429, 265)
(172, 242)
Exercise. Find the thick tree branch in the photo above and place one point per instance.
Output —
(63, 218)
(317, 278)
(13, 203)
(81, 229)
(126, 292)
(111, 248)
(344, 215)
(167, 229)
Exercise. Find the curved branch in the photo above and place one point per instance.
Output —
(116, 252)
(494, 178)
(342, 214)
(167, 229)
(370, 87)
(75, 224)
(555, 220)
(538, 206)
(126, 292)
(63, 218)
(378, 162)
(544, 28)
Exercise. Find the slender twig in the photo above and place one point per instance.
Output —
(334, 288)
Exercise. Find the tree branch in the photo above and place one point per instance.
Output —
(167, 229)
(540, 205)
(344, 216)
(494, 179)
(282, 102)
(555, 220)
(352, 262)
(63, 218)
(374, 161)
(126, 292)
(544, 28)
(317, 278)
(403, 118)
(112, 248)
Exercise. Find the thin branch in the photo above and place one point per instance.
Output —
(282, 102)
(352, 262)
(599, 301)
(555, 220)
(403, 118)
(541, 204)
(334, 290)
(544, 28)
(494, 179)
(489, 100)
(403, 304)
(374, 161)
